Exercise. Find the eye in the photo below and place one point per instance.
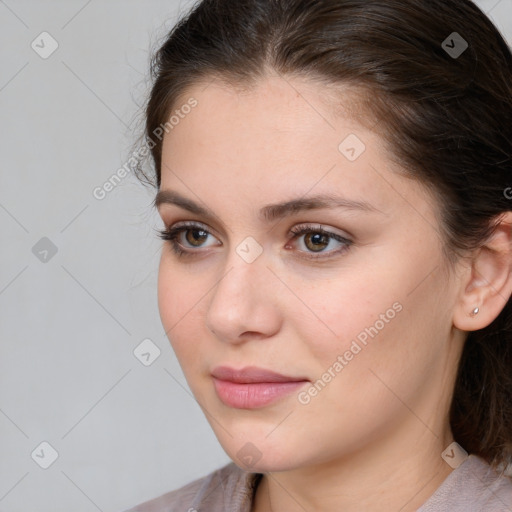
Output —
(185, 236)
(316, 241)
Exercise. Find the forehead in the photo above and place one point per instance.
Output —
(284, 94)
(276, 140)
(274, 118)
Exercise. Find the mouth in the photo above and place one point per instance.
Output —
(253, 387)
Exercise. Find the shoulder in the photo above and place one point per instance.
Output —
(473, 487)
(226, 489)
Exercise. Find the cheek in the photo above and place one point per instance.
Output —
(359, 305)
(169, 289)
(368, 320)
(346, 366)
(178, 303)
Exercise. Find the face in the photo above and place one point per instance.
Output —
(345, 294)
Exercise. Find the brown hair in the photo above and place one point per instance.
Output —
(446, 117)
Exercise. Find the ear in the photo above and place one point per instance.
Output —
(487, 284)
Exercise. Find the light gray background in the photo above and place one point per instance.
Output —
(124, 432)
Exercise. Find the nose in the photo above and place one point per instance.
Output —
(243, 304)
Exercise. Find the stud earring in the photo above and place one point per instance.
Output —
(475, 311)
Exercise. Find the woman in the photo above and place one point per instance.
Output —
(334, 179)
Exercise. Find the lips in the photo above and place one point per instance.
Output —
(253, 387)
(251, 374)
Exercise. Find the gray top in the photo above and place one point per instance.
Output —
(472, 487)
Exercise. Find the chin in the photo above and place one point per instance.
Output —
(259, 455)
(267, 466)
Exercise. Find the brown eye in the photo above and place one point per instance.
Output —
(184, 239)
(196, 237)
(316, 241)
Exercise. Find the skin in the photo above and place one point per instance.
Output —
(372, 438)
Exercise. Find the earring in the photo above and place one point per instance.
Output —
(475, 311)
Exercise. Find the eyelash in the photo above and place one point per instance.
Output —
(171, 234)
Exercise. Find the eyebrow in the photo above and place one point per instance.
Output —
(270, 212)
